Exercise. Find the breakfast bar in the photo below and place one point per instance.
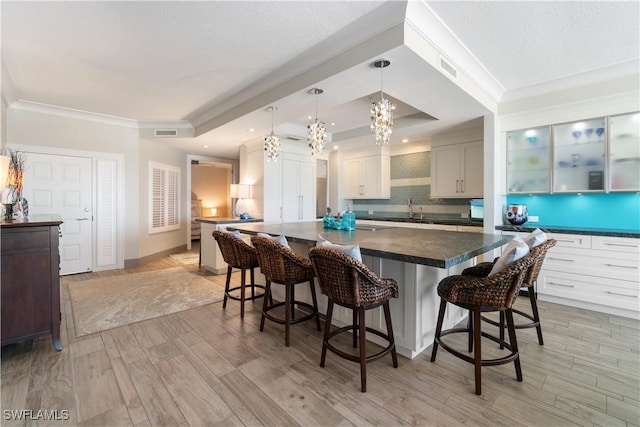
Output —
(417, 259)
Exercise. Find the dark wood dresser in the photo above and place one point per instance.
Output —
(30, 279)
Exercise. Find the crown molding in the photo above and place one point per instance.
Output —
(71, 113)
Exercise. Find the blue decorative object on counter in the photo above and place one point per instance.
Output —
(349, 220)
(328, 221)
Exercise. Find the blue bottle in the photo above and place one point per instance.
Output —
(349, 220)
(328, 221)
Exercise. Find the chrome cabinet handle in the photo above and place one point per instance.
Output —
(83, 219)
(622, 295)
(622, 266)
(562, 284)
(462, 185)
(457, 185)
(562, 259)
(620, 244)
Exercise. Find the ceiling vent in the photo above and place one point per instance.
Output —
(292, 138)
(165, 132)
(448, 68)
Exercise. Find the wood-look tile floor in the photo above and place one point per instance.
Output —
(206, 366)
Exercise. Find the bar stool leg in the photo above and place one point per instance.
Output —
(253, 284)
(327, 330)
(477, 351)
(292, 301)
(363, 350)
(315, 303)
(470, 328)
(392, 340)
(443, 306)
(288, 309)
(226, 286)
(355, 328)
(265, 304)
(514, 343)
(501, 329)
(536, 316)
(243, 280)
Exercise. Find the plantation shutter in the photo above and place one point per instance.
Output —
(164, 191)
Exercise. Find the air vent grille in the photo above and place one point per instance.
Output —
(165, 132)
(448, 68)
(292, 138)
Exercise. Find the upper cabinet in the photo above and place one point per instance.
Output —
(367, 176)
(594, 155)
(624, 152)
(579, 156)
(457, 170)
(528, 154)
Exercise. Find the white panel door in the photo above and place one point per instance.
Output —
(62, 185)
(308, 191)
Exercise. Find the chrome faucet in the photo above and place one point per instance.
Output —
(421, 216)
(410, 208)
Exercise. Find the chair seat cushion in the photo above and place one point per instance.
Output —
(350, 250)
(516, 249)
(535, 238)
(278, 239)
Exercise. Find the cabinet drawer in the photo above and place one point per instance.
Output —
(34, 240)
(617, 244)
(624, 267)
(571, 240)
(601, 291)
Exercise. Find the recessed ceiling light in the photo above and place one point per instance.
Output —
(205, 146)
(309, 117)
(335, 147)
(333, 124)
(251, 130)
(405, 140)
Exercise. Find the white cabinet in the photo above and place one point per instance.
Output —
(595, 272)
(367, 177)
(457, 170)
(298, 188)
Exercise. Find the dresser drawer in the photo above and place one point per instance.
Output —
(616, 244)
(596, 290)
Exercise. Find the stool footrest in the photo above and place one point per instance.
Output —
(281, 321)
(484, 362)
(247, 287)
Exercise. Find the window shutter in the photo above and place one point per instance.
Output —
(164, 206)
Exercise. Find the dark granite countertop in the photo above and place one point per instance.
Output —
(611, 232)
(222, 220)
(434, 248)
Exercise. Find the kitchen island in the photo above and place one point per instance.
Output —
(417, 259)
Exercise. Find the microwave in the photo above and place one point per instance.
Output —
(476, 209)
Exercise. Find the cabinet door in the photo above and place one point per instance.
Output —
(272, 190)
(579, 156)
(445, 171)
(352, 184)
(307, 188)
(291, 203)
(472, 178)
(624, 152)
(528, 153)
(370, 177)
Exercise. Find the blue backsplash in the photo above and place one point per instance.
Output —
(590, 210)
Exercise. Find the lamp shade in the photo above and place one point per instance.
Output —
(4, 171)
(240, 191)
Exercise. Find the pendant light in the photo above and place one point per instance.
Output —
(382, 111)
(317, 130)
(272, 141)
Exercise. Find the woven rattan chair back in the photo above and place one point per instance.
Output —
(279, 263)
(235, 252)
(347, 281)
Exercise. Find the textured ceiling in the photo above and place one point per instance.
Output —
(217, 65)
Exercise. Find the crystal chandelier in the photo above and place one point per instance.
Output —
(317, 130)
(382, 112)
(272, 141)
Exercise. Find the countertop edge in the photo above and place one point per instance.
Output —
(571, 230)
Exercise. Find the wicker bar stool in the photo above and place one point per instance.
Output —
(484, 268)
(281, 265)
(497, 292)
(240, 255)
(347, 282)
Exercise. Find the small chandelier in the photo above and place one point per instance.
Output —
(272, 141)
(317, 130)
(382, 111)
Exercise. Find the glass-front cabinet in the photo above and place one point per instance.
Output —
(579, 155)
(624, 152)
(528, 160)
